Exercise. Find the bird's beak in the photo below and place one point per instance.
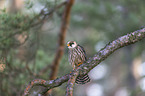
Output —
(68, 45)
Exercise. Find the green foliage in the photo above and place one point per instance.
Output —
(10, 26)
(29, 4)
(42, 59)
(14, 21)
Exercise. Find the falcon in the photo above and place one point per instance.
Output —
(77, 56)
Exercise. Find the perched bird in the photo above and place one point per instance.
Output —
(77, 56)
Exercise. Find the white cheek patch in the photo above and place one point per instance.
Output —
(74, 45)
(69, 47)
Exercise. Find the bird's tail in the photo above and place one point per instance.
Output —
(83, 79)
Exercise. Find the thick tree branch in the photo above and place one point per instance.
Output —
(71, 82)
(93, 61)
(110, 48)
(48, 84)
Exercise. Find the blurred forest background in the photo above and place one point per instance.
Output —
(29, 39)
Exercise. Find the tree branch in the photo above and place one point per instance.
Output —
(93, 61)
(70, 84)
(48, 84)
(110, 48)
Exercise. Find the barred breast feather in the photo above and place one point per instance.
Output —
(77, 56)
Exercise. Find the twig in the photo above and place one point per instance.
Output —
(95, 60)
(32, 22)
(46, 14)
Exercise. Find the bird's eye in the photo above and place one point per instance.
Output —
(71, 44)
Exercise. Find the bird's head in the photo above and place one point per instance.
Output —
(71, 44)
